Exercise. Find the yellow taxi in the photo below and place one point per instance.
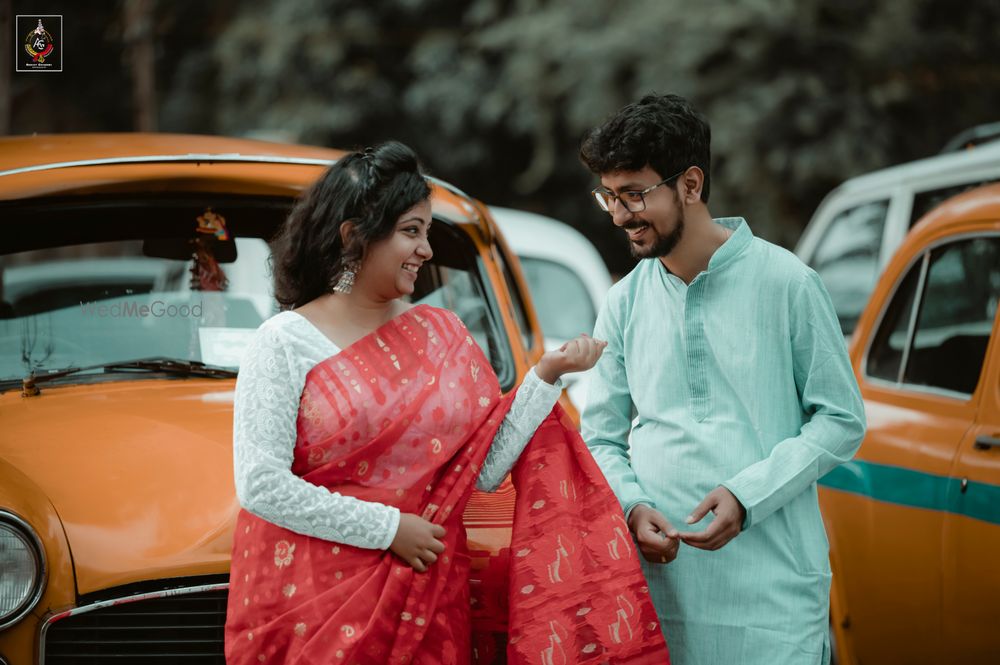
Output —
(120, 339)
(914, 520)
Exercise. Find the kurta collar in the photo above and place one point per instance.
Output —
(735, 245)
(726, 254)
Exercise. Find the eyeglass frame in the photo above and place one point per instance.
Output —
(599, 192)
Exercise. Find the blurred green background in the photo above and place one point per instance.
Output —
(495, 95)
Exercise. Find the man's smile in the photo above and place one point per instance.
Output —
(636, 230)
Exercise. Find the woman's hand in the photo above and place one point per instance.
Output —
(416, 541)
(575, 355)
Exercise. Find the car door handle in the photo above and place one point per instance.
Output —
(984, 442)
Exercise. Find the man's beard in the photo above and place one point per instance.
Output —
(663, 244)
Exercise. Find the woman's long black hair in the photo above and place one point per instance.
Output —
(371, 189)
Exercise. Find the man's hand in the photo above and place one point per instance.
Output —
(657, 539)
(728, 521)
(577, 355)
(416, 541)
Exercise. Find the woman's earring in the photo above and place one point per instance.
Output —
(346, 281)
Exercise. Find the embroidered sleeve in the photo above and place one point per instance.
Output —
(533, 402)
(266, 405)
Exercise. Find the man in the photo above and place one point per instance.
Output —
(728, 352)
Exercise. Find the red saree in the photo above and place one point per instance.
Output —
(405, 417)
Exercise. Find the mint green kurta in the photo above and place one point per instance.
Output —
(739, 379)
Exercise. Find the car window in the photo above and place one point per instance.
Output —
(562, 301)
(85, 290)
(846, 258)
(943, 344)
(956, 316)
(885, 358)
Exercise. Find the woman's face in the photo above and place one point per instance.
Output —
(389, 269)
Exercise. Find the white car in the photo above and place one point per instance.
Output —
(566, 275)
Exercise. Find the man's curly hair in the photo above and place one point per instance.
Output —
(662, 131)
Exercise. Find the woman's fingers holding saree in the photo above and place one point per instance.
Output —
(436, 545)
(416, 541)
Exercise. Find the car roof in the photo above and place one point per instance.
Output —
(969, 212)
(536, 236)
(18, 153)
(976, 205)
(929, 170)
(532, 234)
(124, 161)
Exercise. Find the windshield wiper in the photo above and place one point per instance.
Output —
(173, 366)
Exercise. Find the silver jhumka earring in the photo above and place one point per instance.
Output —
(346, 281)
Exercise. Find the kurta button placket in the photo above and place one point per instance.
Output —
(697, 353)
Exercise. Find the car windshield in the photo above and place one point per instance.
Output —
(84, 294)
(106, 302)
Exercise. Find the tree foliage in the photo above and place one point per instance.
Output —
(496, 94)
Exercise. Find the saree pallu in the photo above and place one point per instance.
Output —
(405, 417)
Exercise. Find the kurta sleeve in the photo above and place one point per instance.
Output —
(268, 391)
(831, 403)
(607, 420)
(532, 403)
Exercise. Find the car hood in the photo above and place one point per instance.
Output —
(140, 473)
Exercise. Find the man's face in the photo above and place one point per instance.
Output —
(656, 230)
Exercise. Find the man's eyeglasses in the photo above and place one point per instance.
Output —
(633, 201)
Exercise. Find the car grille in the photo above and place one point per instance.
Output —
(185, 628)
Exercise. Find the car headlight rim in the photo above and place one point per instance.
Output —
(14, 523)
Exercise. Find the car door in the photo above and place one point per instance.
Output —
(916, 378)
(972, 528)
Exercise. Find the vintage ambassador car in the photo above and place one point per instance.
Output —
(119, 346)
(914, 520)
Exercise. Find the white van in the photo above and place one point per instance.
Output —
(858, 226)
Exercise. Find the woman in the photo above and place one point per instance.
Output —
(361, 425)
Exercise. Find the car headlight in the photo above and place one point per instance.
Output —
(22, 568)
